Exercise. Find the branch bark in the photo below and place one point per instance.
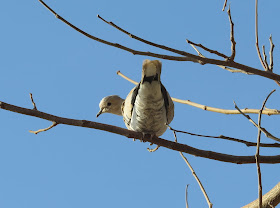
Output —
(212, 109)
(186, 57)
(138, 135)
(270, 199)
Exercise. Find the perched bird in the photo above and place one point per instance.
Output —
(148, 107)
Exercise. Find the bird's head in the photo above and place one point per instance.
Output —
(151, 71)
(110, 104)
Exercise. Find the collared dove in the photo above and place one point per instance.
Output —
(148, 107)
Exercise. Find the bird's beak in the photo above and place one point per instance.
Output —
(99, 113)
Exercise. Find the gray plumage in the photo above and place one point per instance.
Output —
(148, 107)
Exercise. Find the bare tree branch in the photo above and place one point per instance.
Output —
(194, 175)
(271, 54)
(153, 150)
(265, 58)
(257, 35)
(247, 143)
(212, 109)
(135, 52)
(267, 134)
(46, 129)
(33, 103)
(138, 135)
(233, 43)
(225, 4)
(143, 40)
(207, 49)
(258, 151)
(186, 198)
(187, 57)
(223, 67)
(270, 199)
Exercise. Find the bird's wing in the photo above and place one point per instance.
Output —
(168, 103)
(128, 104)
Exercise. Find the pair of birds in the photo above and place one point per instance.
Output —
(148, 107)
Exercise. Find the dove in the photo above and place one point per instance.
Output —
(148, 107)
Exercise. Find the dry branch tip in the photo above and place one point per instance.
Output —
(46, 129)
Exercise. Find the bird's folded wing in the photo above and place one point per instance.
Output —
(168, 103)
(128, 104)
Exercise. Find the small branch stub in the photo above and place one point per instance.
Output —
(34, 104)
(46, 129)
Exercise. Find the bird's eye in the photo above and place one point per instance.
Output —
(108, 104)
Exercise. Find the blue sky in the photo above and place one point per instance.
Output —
(69, 74)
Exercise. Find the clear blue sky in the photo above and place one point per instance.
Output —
(68, 74)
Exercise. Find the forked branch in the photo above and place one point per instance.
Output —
(186, 57)
(258, 151)
(195, 175)
(267, 134)
(138, 135)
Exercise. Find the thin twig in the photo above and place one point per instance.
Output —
(270, 67)
(187, 57)
(153, 150)
(34, 104)
(135, 52)
(271, 54)
(46, 129)
(257, 35)
(271, 58)
(186, 199)
(247, 143)
(195, 176)
(212, 109)
(138, 135)
(265, 58)
(225, 4)
(233, 43)
(143, 40)
(207, 49)
(223, 67)
(267, 134)
(258, 151)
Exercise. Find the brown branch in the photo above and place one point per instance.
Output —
(233, 43)
(270, 67)
(186, 198)
(258, 151)
(207, 49)
(223, 67)
(46, 129)
(265, 58)
(247, 143)
(257, 35)
(143, 40)
(271, 54)
(270, 199)
(212, 109)
(225, 4)
(194, 175)
(153, 150)
(138, 135)
(267, 134)
(187, 57)
(33, 103)
(135, 52)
